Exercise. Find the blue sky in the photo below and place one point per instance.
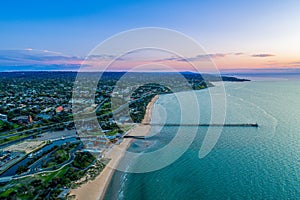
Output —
(75, 27)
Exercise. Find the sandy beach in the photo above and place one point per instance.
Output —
(96, 189)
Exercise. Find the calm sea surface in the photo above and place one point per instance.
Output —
(245, 163)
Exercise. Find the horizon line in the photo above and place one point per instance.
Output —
(233, 70)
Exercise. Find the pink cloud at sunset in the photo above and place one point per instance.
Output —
(203, 62)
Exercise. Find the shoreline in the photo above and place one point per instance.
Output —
(96, 189)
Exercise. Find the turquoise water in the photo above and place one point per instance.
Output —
(246, 162)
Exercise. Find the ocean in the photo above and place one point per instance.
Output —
(245, 163)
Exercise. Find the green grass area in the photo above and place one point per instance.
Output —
(57, 158)
(113, 132)
(17, 188)
(83, 160)
(104, 111)
(48, 176)
(6, 126)
(106, 105)
(12, 138)
(7, 192)
(43, 185)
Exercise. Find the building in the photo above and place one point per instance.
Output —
(59, 109)
(22, 120)
(3, 117)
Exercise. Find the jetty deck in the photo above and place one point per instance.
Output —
(225, 125)
(177, 124)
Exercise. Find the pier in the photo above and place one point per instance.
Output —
(217, 125)
(177, 124)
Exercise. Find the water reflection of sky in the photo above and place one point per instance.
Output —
(265, 74)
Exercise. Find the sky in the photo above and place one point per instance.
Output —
(59, 34)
